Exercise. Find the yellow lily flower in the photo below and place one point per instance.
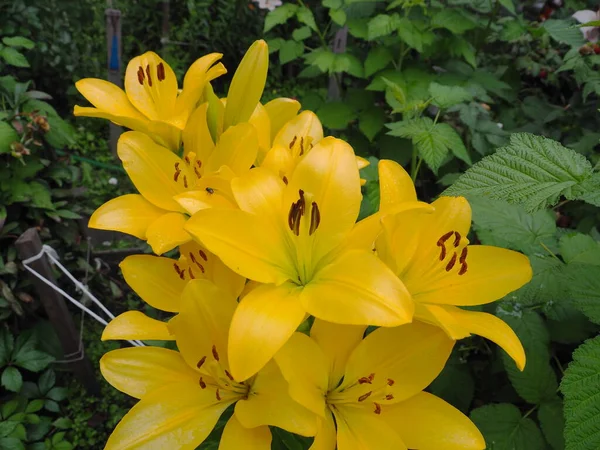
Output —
(172, 187)
(291, 237)
(430, 253)
(160, 282)
(372, 387)
(150, 103)
(183, 394)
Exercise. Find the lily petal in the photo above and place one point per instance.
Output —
(180, 415)
(203, 322)
(395, 185)
(108, 98)
(360, 428)
(261, 123)
(358, 289)
(427, 422)
(270, 404)
(248, 244)
(136, 325)
(337, 342)
(305, 126)
(306, 369)
(155, 280)
(259, 192)
(237, 149)
(280, 161)
(196, 135)
(326, 437)
(125, 121)
(411, 367)
(165, 134)
(152, 169)
(281, 110)
(263, 322)
(492, 273)
(137, 371)
(235, 437)
(167, 232)
(441, 316)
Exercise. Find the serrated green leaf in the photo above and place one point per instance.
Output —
(455, 384)
(306, 17)
(40, 196)
(338, 16)
(452, 20)
(280, 15)
(580, 248)
(581, 389)
(18, 41)
(532, 170)
(12, 379)
(584, 289)
(447, 96)
(504, 428)
(289, 51)
(371, 121)
(552, 422)
(589, 191)
(13, 57)
(450, 138)
(416, 34)
(8, 135)
(382, 25)
(321, 58)
(299, 34)
(345, 62)
(564, 32)
(336, 115)
(378, 58)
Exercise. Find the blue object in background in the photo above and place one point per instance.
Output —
(114, 54)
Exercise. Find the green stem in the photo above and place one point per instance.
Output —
(560, 367)
(321, 35)
(528, 413)
(437, 116)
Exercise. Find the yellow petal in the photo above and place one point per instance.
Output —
(152, 169)
(263, 322)
(329, 174)
(203, 322)
(151, 86)
(129, 214)
(269, 403)
(412, 367)
(136, 325)
(237, 437)
(360, 428)
(196, 135)
(137, 371)
(358, 289)
(305, 125)
(492, 273)
(395, 185)
(237, 149)
(280, 161)
(441, 316)
(155, 280)
(194, 201)
(108, 98)
(165, 134)
(281, 110)
(125, 121)
(429, 423)
(492, 328)
(259, 192)
(326, 435)
(306, 369)
(337, 342)
(247, 85)
(246, 243)
(261, 123)
(167, 232)
(178, 416)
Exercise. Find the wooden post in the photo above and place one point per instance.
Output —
(335, 80)
(114, 48)
(28, 245)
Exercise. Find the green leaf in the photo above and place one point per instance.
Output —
(12, 379)
(510, 226)
(10, 443)
(371, 122)
(504, 428)
(533, 171)
(8, 135)
(18, 41)
(63, 423)
(447, 96)
(13, 57)
(378, 58)
(52, 406)
(61, 133)
(335, 4)
(382, 25)
(299, 34)
(280, 15)
(306, 16)
(57, 394)
(450, 138)
(336, 115)
(40, 196)
(564, 32)
(47, 381)
(581, 389)
(455, 384)
(27, 357)
(290, 50)
(345, 62)
(552, 421)
(508, 4)
(547, 286)
(584, 289)
(537, 383)
(452, 20)
(338, 16)
(580, 248)
(322, 58)
(415, 34)
(34, 406)
(590, 190)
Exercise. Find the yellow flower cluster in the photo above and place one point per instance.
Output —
(263, 208)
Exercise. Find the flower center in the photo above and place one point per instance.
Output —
(453, 252)
(192, 263)
(366, 389)
(216, 376)
(299, 209)
(299, 147)
(193, 164)
(147, 75)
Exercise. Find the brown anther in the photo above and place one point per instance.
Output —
(315, 218)
(377, 408)
(367, 380)
(229, 375)
(140, 75)
(149, 76)
(201, 267)
(293, 142)
(214, 352)
(203, 255)
(371, 377)
(390, 382)
(463, 255)
(463, 268)
(302, 146)
(199, 365)
(197, 172)
(185, 183)
(191, 273)
(443, 252)
(389, 397)
(192, 257)
(451, 264)
(187, 159)
(199, 163)
(218, 395)
(177, 269)
(456, 239)
(176, 176)
(363, 397)
(177, 166)
(285, 180)
(202, 383)
(160, 71)
(444, 238)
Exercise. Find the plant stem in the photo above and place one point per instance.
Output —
(321, 35)
(437, 116)
(528, 413)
